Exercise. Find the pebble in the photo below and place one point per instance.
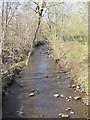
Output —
(20, 108)
(62, 96)
(60, 115)
(70, 97)
(59, 83)
(78, 87)
(70, 86)
(56, 95)
(72, 113)
(58, 77)
(87, 104)
(68, 109)
(68, 100)
(31, 94)
(73, 86)
(77, 97)
(63, 115)
(20, 113)
(21, 85)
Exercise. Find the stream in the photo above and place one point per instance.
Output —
(42, 77)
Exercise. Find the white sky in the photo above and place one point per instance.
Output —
(51, 0)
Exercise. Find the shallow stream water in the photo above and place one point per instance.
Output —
(43, 75)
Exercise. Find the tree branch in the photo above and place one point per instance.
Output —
(13, 13)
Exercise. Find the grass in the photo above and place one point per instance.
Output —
(73, 56)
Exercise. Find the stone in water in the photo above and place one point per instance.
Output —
(68, 100)
(68, 109)
(58, 82)
(77, 97)
(56, 95)
(62, 96)
(31, 94)
(65, 116)
(72, 112)
(70, 97)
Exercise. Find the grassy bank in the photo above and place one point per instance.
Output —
(74, 57)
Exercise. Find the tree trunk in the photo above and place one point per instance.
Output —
(2, 32)
(40, 11)
(5, 36)
(37, 30)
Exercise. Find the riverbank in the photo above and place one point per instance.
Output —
(73, 56)
(10, 72)
(42, 80)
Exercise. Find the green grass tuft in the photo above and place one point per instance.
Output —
(71, 54)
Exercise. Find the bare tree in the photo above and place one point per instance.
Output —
(2, 31)
(40, 12)
(6, 20)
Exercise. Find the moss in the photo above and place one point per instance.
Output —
(5, 80)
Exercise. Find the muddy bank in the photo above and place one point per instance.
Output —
(44, 79)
